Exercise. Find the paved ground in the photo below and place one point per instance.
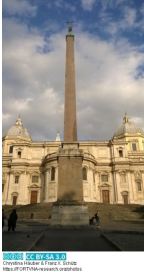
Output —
(73, 240)
(38, 236)
(127, 241)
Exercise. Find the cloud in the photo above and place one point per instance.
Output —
(33, 82)
(128, 23)
(19, 7)
(130, 16)
(87, 4)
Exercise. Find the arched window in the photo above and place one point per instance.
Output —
(84, 173)
(53, 173)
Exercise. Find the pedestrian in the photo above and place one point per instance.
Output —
(12, 220)
(3, 218)
(97, 219)
(91, 220)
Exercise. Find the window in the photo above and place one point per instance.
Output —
(53, 173)
(3, 187)
(16, 179)
(84, 173)
(134, 147)
(120, 153)
(104, 178)
(139, 185)
(11, 149)
(35, 179)
(19, 154)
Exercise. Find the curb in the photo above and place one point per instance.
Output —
(111, 242)
(36, 241)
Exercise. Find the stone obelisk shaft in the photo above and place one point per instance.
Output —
(70, 124)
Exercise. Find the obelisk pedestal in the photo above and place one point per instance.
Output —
(70, 208)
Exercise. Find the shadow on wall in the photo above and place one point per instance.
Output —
(69, 199)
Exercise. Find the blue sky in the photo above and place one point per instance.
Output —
(109, 57)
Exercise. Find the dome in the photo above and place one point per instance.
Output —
(18, 130)
(128, 127)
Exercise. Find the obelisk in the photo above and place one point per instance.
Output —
(69, 208)
(70, 123)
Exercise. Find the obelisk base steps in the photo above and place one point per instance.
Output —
(70, 215)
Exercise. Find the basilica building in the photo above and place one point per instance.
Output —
(101, 171)
(112, 171)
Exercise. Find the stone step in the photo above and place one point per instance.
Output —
(106, 212)
(109, 212)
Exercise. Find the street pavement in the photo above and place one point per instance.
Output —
(39, 236)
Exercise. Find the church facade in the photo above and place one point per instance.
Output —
(113, 171)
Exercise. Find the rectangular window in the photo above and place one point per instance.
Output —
(16, 179)
(35, 179)
(11, 149)
(120, 153)
(139, 186)
(104, 178)
(134, 147)
(19, 154)
(53, 173)
(3, 187)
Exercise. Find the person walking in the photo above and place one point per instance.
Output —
(12, 220)
(97, 219)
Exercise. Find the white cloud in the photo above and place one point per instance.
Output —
(105, 4)
(19, 7)
(33, 82)
(130, 16)
(87, 4)
(6, 116)
(20, 105)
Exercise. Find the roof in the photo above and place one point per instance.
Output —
(18, 130)
(128, 127)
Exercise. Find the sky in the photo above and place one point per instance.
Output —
(109, 63)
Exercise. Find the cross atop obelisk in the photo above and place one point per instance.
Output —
(70, 122)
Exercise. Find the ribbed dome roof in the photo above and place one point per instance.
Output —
(18, 130)
(128, 127)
